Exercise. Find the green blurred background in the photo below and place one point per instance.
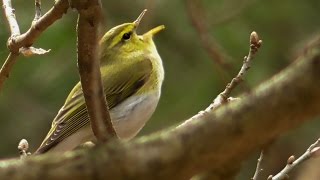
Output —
(38, 85)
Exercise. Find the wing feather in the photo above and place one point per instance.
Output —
(73, 115)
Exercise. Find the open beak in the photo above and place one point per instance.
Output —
(138, 20)
(154, 31)
(151, 32)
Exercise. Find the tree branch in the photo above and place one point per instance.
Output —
(17, 41)
(7, 66)
(89, 68)
(11, 18)
(224, 96)
(15, 31)
(258, 168)
(255, 44)
(37, 27)
(313, 150)
(216, 139)
(37, 5)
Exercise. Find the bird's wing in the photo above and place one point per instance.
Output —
(119, 85)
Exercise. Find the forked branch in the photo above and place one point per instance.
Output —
(20, 43)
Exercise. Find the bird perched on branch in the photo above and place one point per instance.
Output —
(132, 75)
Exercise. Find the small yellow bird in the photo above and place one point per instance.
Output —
(132, 74)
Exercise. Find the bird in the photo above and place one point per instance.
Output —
(132, 75)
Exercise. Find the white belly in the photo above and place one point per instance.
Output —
(128, 118)
(131, 115)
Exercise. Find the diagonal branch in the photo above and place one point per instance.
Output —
(255, 44)
(217, 139)
(312, 151)
(224, 96)
(258, 168)
(89, 68)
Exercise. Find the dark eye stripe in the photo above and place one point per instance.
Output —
(126, 36)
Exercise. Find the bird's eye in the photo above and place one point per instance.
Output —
(126, 36)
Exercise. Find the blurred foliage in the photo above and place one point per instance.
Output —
(38, 85)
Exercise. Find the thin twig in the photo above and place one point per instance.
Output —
(15, 31)
(11, 18)
(37, 5)
(7, 66)
(258, 169)
(223, 97)
(255, 44)
(89, 69)
(214, 50)
(312, 151)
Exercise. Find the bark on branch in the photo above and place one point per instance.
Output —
(37, 27)
(213, 140)
(89, 68)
